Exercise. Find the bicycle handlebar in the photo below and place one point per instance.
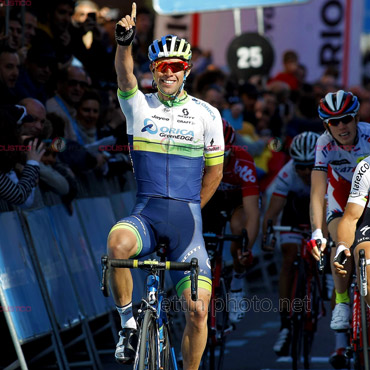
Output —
(225, 237)
(151, 265)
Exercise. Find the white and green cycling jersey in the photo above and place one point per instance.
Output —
(170, 142)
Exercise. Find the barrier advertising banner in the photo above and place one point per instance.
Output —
(192, 6)
(18, 281)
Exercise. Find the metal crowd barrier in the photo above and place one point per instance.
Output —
(50, 270)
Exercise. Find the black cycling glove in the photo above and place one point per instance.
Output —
(124, 37)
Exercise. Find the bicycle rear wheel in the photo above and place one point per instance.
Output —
(310, 322)
(298, 316)
(149, 344)
(213, 356)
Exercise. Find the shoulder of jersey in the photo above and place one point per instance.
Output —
(243, 153)
(287, 169)
(364, 126)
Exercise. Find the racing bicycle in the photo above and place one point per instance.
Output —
(154, 349)
(359, 333)
(307, 302)
(219, 325)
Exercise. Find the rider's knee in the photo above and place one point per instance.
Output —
(121, 244)
(198, 312)
(198, 317)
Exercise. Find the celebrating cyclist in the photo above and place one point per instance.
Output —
(351, 236)
(291, 195)
(342, 146)
(238, 196)
(170, 133)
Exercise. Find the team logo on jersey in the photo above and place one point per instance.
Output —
(361, 171)
(185, 112)
(149, 126)
(244, 172)
(364, 230)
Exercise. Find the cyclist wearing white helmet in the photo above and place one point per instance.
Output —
(172, 137)
(291, 194)
(339, 149)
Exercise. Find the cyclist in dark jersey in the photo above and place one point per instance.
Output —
(238, 196)
(172, 137)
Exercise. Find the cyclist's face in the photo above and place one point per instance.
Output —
(345, 133)
(169, 80)
(304, 172)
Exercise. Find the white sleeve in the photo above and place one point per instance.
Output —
(214, 143)
(360, 184)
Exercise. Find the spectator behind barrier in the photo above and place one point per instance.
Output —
(9, 72)
(289, 73)
(34, 78)
(54, 29)
(72, 83)
(33, 122)
(70, 152)
(12, 190)
(87, 43)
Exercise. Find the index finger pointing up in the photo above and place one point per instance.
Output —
(133, 12)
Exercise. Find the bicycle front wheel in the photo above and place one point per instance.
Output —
(364, 334)
(149, 343)
(168, 358)
(298, 315)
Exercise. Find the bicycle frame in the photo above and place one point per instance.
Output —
(360, 334)
(153, 300)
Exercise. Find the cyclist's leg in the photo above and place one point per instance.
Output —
(289, 247)
(237, 223)
(195, 333)
(126, 240)
(341, 312)
(188, 229)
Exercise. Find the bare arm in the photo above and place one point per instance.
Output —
(252, 212)
(276, 205)
(318, 191)
(346, 231)
(211, 180)
(124, 62)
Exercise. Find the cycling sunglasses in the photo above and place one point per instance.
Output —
(175, 67)
(336, 121)
(303, 167)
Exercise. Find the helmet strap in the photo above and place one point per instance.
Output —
(171, 96)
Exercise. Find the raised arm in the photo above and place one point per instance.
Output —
(124, 63)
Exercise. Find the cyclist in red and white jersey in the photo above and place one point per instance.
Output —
(291, 195)
(343, 145)
(238, 196)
